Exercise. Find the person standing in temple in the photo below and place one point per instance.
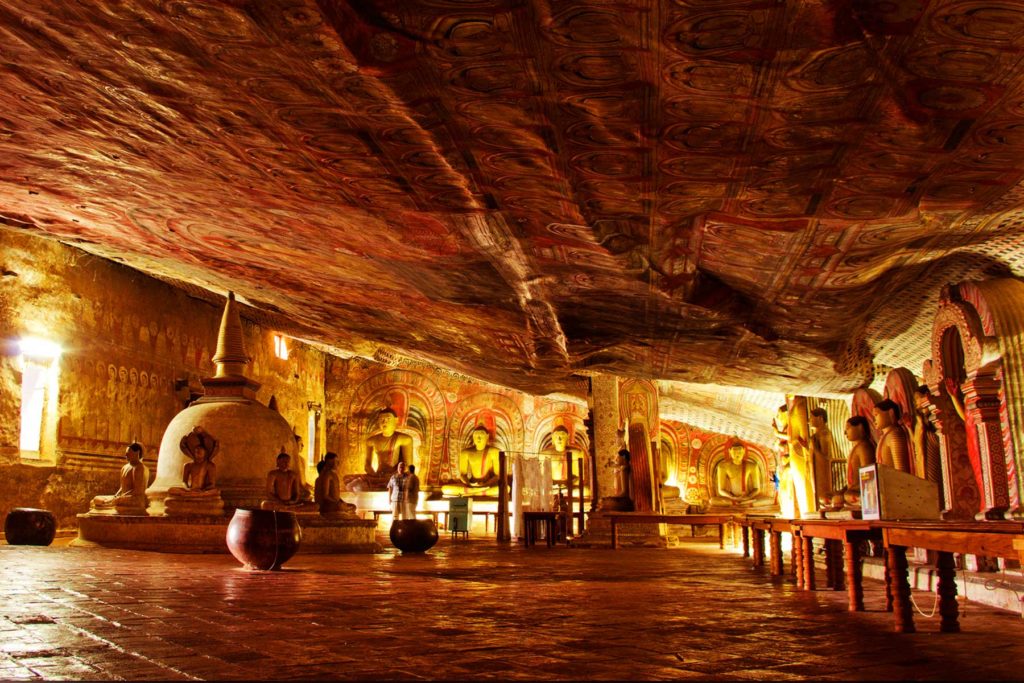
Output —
(412, 493)
(396, 491)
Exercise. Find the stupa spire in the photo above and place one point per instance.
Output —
(230, 358)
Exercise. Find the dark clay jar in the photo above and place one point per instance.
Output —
(29, 526)
(263, 539)
(413, 535)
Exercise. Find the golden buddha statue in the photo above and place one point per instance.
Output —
(862, 454)
(893, 443)
(926, 438)
(821, 457)
(738, 481)
(284, 490)
(559, 451)
(130, 497)
(478, 468)
(384, 450)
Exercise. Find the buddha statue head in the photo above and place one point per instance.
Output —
(819, 419)
(857, 429)
(560, 438)
(481, 437)
(283, 461)
(886, 414)
(737, 452)
(387, 420)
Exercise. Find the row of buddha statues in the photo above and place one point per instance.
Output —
(199, 495)
(477, 470)
(897, 447)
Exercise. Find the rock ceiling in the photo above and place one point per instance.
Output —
(764, 194)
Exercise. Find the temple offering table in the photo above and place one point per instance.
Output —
(753, 528)
(692, 520)
(994, 539)
(839, 535)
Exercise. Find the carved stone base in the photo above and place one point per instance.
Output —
(598, 534)
(207, 533)
(179, 506)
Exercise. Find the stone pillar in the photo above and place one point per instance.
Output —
(604, 391)
(981, 396)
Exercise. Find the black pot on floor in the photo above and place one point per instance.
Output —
(413, 535)
(30, 526)
(263, 539)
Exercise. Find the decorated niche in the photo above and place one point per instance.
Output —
(420, 408)
(547, 417)
(673, 454)
(638, 412)
(710, 450)
(974, 376)
(498, 413)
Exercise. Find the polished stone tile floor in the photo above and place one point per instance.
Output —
(466, 610)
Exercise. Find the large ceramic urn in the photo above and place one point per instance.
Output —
(249, 434)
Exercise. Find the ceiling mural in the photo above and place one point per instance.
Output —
(728, 193)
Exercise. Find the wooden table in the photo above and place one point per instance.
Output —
(847, 532)
(532, 521)
(756, 526)
(995, 538)
(644, 518)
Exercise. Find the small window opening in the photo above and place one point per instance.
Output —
(281, 346)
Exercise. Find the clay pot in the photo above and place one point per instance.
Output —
(263, 539)
(29, 526)
(413, 535)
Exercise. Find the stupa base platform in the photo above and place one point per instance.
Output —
(206, 533)
(598, 534)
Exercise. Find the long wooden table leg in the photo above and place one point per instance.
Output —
(888, 580)
(721, 536)
(903, 611)
(798, 559)
(854, 577)
(808, 545)
(830, 565)
(758, 548)
(775, 548)
(615, 535)
(948, 607)
(746, 541)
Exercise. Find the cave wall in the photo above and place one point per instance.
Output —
(134, 351)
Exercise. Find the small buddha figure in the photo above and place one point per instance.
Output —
(131, 495)
(821, 456)
(893, 443)
(478, 468)
(862, 454)
(384, 450)
(738, 481)
(622, 500)
(284, 490)
(200, 494)
(327, 490)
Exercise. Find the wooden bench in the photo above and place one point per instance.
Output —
(692, 520)
(839, 535)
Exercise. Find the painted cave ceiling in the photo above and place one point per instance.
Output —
(765, 194)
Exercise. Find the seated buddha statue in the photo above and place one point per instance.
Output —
(384, 450)
(558, 452)
(327, 490)
(622, 499)
(738, 481)
(200, 494)
(862, 454)
(478, 468)
(130, 497)
(284, 490)
(893, 442)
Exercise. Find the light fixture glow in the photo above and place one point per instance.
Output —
(36, 347)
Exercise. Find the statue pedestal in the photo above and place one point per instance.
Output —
(207, 533)
(183, 506)
(598, 534)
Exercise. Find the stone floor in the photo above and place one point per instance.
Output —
(466, 610)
